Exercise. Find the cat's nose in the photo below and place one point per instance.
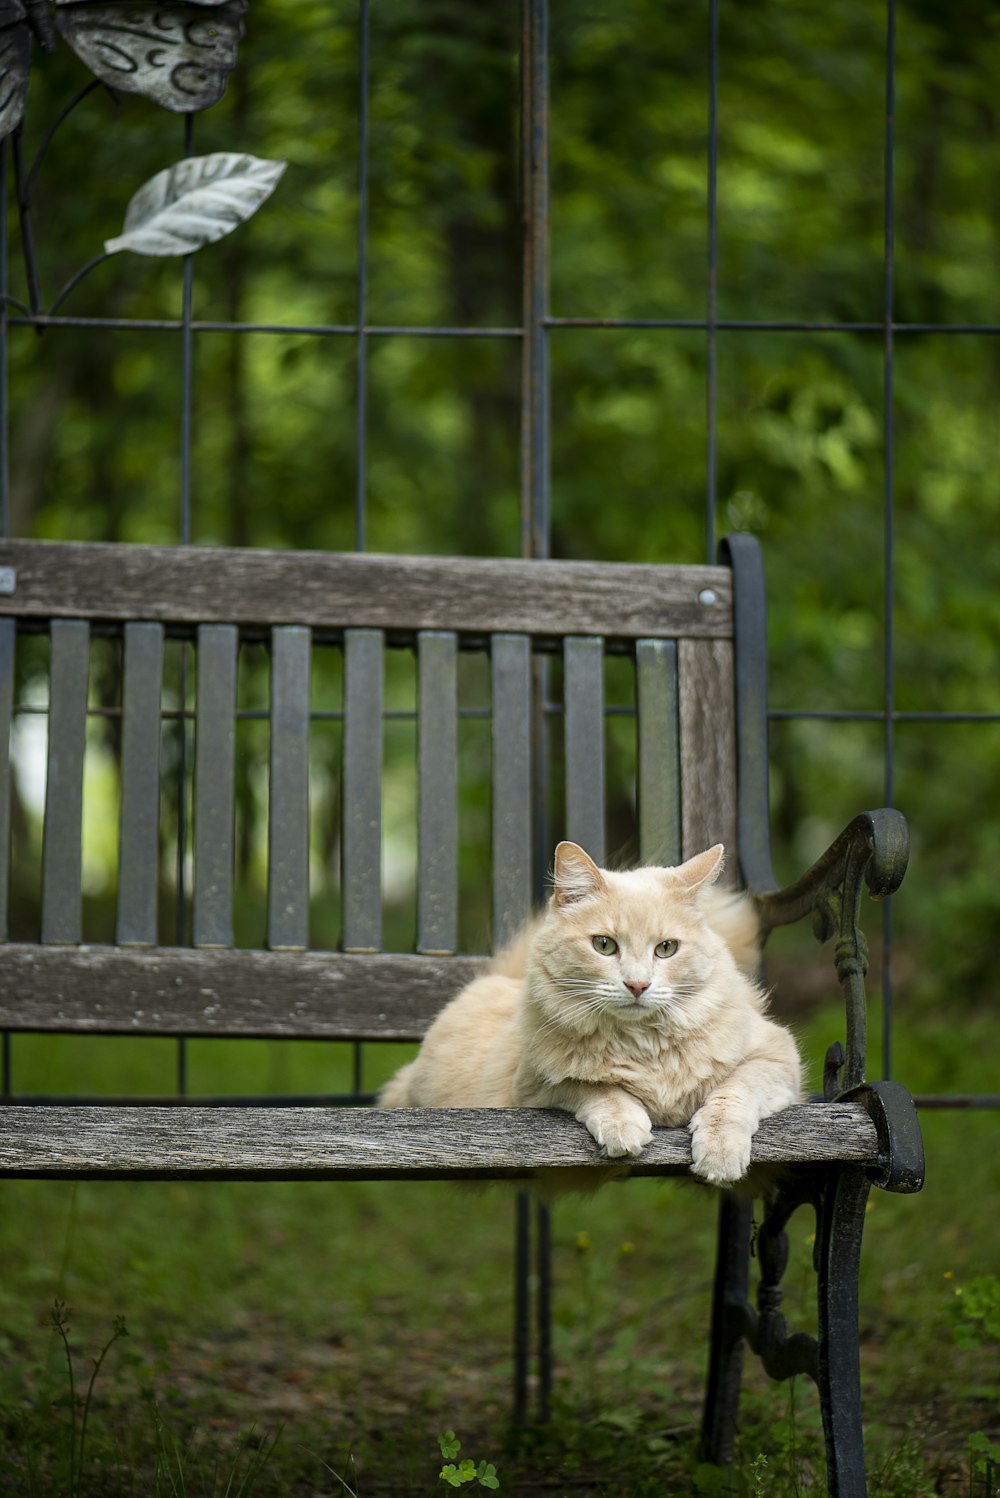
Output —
(637, 986)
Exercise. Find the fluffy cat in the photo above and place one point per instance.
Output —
(624, 1004)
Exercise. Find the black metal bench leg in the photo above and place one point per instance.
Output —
(532, 1272)
(725, 1367)
(839, 1231)
(544, 1313)
(522, 1305)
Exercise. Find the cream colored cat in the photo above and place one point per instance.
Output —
(625, 1005)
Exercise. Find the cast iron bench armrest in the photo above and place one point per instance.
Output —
(870, 853)
(874, 846)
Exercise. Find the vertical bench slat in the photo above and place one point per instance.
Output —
(288, 814)
(8, 634)
(437, 883)
(138, 844)
(362, 800)
(659, 788)
(63, 834)
(583, 693)
(214, 785)
(511, 686)
(708, 748)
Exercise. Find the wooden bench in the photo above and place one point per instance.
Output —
(675, 655)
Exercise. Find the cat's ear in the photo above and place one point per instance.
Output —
(703, 869)
(577, 876)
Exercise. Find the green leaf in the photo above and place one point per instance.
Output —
(981, 1306)
(626, 1419)
(487, 1474)
(449, 1443)
(714, 1482)
(458, 1476)
(980, 1445)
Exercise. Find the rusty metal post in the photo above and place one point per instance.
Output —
(535, 542)
(535, 415)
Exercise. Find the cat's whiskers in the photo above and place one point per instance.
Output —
(579, 1012)
(585, 1007)
(588, 993)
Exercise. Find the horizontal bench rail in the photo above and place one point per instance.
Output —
(327, 590)
(105, 990)
(354, 1144)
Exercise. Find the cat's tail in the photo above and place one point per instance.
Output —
(396, 1092)
(732, 915)
(512, 960)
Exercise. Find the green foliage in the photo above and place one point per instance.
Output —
(466, 1471)
(79, 1412)
(728, 1482)
(977, 1307)
(984, 1465)
(48, 1436)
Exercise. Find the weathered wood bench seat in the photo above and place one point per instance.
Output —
(602, 694)
(326, 1144)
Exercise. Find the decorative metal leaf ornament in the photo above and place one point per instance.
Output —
(195, 203)
(177, 52)
(15, 60)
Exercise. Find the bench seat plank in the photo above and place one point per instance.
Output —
(352, 1143)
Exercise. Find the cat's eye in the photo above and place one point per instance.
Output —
(666, 948)
(606, 945)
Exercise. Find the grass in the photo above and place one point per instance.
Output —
(298, 1338)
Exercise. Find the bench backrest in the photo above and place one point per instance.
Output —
(188, 650)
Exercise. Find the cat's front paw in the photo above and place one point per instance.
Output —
(720, 1149)
(621, 1129)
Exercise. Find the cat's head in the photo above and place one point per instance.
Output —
(628, 948)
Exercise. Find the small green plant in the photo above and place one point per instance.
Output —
(978, 1313)
(977, 1326)
(345, 1485)
(51, 1434)
(984, 1466)
(755, 1474)
(730, 1482)
(177, 1471)
(485, 1473)
(77, 1433)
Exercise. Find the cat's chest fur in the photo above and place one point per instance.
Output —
(668, 1074)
